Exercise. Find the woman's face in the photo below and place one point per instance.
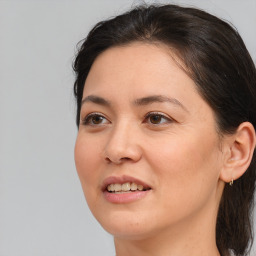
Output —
(144, 126)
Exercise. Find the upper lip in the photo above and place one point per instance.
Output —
(121, 180)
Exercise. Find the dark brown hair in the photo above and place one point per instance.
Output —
(217, 60)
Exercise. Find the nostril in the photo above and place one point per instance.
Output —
(117, 161)
(125, 158)
(107, 159)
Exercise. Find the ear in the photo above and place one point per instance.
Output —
(239, 148)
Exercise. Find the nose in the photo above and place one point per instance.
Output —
(123, 145)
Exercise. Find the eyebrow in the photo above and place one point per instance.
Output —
(96, 100)
(138, 102)
(158, 98)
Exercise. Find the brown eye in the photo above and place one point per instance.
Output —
(155, 119)
(95, 120)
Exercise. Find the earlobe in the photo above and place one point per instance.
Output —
(241, 146)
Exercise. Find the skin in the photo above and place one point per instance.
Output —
(179, 154)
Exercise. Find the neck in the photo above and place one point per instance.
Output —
(194, 237)
(176, 245)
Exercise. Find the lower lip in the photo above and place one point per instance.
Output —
(127, 197)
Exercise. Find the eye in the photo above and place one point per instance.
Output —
(157, 118)
(94, 119)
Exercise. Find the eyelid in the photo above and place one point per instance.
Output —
(168, 118)
(85, 120)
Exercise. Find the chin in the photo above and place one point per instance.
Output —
(127, 225)
(129, 233)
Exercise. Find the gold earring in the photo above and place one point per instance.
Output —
(231, 183)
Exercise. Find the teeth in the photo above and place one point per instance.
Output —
(140, 187)
(117, 187)
(133, 186)
(124, 187)
(111, 187)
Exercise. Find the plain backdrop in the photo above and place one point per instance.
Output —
(42, 207)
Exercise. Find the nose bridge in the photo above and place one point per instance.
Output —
(122, 143)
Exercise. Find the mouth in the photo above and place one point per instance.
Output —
(124, 184)
(124, 189)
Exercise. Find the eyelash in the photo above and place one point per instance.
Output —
(162, 116)
(87, 120)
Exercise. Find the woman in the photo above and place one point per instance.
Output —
(166, 110)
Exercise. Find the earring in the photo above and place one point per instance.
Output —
(231, 183)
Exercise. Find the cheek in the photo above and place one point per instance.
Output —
(87, 159)
(187, 173)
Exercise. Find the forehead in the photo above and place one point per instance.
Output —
(142, 64)
(135, 52)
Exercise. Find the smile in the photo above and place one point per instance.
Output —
(125, 187)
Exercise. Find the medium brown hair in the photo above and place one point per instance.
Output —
(216, 58)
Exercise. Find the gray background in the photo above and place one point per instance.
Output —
(42, 208)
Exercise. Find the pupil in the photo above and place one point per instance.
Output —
(155, 119)
(97, 119)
